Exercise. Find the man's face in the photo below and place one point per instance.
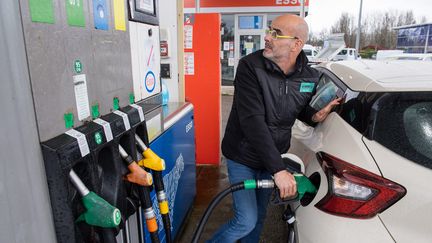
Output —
(276, 49)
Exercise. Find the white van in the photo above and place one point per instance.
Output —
(310, 51)
(385, 54)
(347, 54)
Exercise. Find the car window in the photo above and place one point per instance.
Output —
(343, 52)
(403, 124)
(307, 52)
(326, 91)
(355, 109)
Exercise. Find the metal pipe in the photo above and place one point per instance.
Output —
(140, 143)
(79, 185)
(357, 45)
(302, 8)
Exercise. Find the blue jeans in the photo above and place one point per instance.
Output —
(249, 207)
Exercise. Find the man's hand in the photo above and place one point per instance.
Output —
(323, 113)
(286, 183)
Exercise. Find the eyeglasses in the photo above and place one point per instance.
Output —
(275, 36)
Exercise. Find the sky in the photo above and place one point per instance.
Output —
(324, 13)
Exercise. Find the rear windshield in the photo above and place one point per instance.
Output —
(403, 124)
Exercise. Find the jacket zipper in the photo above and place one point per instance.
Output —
(281, 103)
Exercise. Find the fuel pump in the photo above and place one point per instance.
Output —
(153, 162)
(98, 211)
(144, 179)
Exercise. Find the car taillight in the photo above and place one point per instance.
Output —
(355, 192)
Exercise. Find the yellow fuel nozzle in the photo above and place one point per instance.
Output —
(150, 160)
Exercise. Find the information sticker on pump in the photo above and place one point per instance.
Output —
(82, 141)
(107, 128)
(125, 119)
(140, 111)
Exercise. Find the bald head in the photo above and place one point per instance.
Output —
(292, 25)
(284, 50)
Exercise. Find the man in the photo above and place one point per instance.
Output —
(273, 87)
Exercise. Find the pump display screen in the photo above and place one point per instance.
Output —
(144, 11)
(146, 6)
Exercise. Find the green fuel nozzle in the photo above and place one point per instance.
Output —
(98, 211)
(304, 185)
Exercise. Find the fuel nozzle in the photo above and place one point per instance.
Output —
(305, 189)
(137, 174)
(98, 211)
(150, 160)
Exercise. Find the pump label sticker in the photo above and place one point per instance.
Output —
(82, 141)
(100, 15)
(140, 111)
(125, 119)
(81, 96)
(150, 81)
(107, 128)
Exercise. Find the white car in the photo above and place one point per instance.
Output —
(310, 51)
(347, 54)
(371, 159)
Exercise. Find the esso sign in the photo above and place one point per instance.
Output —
(287, 2)
(150, 81)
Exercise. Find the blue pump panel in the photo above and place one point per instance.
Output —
(176, 145)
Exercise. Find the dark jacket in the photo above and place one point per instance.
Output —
(265, 106)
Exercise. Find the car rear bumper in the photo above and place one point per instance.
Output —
(314, 225)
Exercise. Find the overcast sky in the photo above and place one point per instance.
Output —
(324, 13)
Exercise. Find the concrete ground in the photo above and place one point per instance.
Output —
(213, 179)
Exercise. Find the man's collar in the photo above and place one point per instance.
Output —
(301, 62)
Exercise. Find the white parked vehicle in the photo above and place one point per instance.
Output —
(347, 54)
(371, 159)
(310, 51)
(385, 54)
(412, 57)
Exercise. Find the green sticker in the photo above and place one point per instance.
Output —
(116, 105)
(69, 120)
(98, 138)
(131, 98)
(95, 111)
(42, 11)
(306, 87)
(78, 66)
(75, 13)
